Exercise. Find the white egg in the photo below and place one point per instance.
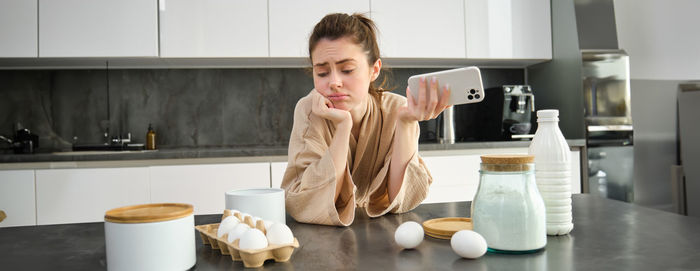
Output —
(267, 224)
(468, 244)
(279, 234)
(252, 239)
(226, 225)
(237, 232)
(409, 234)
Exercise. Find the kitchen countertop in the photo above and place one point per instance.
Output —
(608, 235)
(253, 153)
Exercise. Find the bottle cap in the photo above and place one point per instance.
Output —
(548, 113)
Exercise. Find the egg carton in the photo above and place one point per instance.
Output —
(251, 257)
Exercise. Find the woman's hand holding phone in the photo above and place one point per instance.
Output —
(428, 106)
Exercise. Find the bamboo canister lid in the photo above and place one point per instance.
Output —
(507, 159)
(445, 227)
(507, 162)
(147, 213)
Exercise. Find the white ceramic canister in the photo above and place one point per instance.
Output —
(266, 203)
(150, 237)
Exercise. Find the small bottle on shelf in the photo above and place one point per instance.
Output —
(150, 138)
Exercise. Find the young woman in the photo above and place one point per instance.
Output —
(353, 145)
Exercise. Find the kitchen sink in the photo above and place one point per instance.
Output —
(95, 152)
(108, 148)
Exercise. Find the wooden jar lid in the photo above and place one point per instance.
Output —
(445, 227)
(146, 213)
(507, 162)
(507, 159)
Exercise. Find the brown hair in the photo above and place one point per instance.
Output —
(361, 30)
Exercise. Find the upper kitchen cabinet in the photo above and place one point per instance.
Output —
(213, 28)
(508, 29)
(98, 28)
(291, 22)
(18, 27)
(420, 29)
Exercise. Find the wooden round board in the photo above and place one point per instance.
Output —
(444, 228)
(146, 213)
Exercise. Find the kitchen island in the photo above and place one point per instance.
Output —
(608, 235)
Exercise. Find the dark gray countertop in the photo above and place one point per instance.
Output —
(216, 152)
(608, 235)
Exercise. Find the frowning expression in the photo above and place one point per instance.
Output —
(342, 73)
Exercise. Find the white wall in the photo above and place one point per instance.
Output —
(661, 37)
(663, 42)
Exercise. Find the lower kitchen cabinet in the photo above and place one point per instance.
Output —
(456, 177)
(204, 186)
(277, 173)
(84, 194)
(17, 197)
(75, 195)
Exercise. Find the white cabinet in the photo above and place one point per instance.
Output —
(508, 29)
(277, 170)
(98, 28)
(576, 172)
(291, 22)
(84, 195)
(18, 28)
(420, 29)
(456, 177)
(204, 186)
(17, 197)
(213, 28)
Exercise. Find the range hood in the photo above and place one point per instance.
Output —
(595, 22)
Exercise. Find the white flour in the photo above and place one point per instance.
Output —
(510, 218)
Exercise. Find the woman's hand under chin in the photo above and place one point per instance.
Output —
(427, 106)
(324, 108)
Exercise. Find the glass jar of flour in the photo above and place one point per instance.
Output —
(508, 210)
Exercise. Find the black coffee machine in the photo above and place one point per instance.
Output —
(23, 142)
(518, 105)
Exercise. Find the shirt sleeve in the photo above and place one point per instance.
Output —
(414, 188)
(309, 180)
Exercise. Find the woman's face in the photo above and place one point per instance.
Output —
(342, 75)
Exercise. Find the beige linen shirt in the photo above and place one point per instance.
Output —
(310, 180)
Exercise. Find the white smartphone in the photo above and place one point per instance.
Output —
(465, 84)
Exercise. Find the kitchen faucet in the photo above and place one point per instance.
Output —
(447, 133)
(9, 141)
(121, 140)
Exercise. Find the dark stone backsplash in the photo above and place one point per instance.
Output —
(193, 107)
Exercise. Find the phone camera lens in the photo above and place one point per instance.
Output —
(477, 96)
(470, 97)
(472, 91)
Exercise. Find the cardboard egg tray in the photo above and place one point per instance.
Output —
(250, 257)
